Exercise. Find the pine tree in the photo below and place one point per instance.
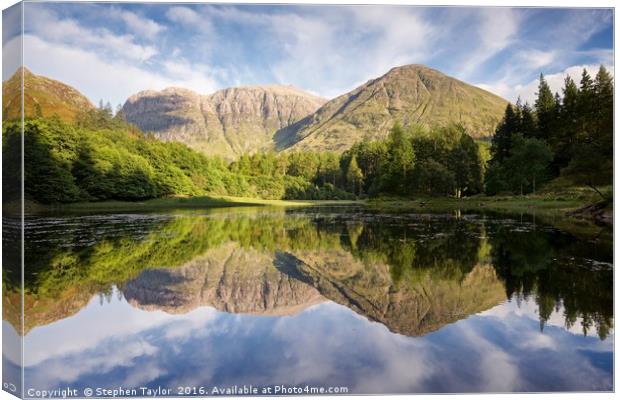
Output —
(592, 158)
(567, 125)
(586, 106)
(502, 140)
(604, 102)
(570, 103)
(528, 122)
(545, 107)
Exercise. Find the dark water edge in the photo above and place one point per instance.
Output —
(326, 296)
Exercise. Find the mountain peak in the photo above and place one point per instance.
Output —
(19, 71)
(276, 89)
(411, 94)
(42, 97)
(412, 67)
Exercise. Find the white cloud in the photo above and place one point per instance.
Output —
(324, 50)
(44, 23)
(535, 59)
(528, 308)
(188, 17)
(498, 28)
(138, 24)
(330, 50)
(112, 80)
(96, 324)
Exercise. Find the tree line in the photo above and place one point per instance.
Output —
(569, 135)
(101, 157)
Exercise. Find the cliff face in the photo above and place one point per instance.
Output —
(228, 278)
(229, 122)
(237, 280)
(411, 94)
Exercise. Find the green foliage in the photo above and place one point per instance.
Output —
(399, 162)
(354, 176)
(434, 178)
(465, 164)
(501, 143)
(67, 163)
(439, 161)
(546, 109)
(528, 164)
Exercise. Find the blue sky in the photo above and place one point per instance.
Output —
(110, 51)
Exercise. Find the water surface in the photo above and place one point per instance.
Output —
(341, 297)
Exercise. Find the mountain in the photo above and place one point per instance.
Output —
(42, 97)
(228, 122)
(248, 281)
(228, 278)
(250, 119)
(411, 94)
(413, 307)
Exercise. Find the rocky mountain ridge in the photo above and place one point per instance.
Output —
(229, 122)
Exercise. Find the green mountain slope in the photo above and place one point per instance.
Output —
(411, 94)
(43, 97)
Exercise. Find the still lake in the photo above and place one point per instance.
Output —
(326, 296)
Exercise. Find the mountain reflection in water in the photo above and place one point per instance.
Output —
(241, 296)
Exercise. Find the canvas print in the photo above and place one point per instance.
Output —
(246, 199)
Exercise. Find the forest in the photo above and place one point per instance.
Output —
(568, 135)
(101, 157)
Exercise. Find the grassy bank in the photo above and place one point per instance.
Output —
(552, 207)
(554, 200)
(182, 202)
(509, 204)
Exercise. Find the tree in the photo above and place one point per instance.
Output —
(528, 163)
(371, 157)
(432, 177)
(569, 114)
(354, 176)
(329, 169)
(494, 180)
(589, 168)
(303, 164)
(592, 157)
(400, 159)
(501, 144)
(604, 107)
(585, 104)
(545, 107)
(464, 163)
(527, 126)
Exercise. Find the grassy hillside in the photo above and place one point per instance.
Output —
(410, 95)
(43, 97)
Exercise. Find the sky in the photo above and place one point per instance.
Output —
(110, 51)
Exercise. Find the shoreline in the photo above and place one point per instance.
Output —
(543, 205)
